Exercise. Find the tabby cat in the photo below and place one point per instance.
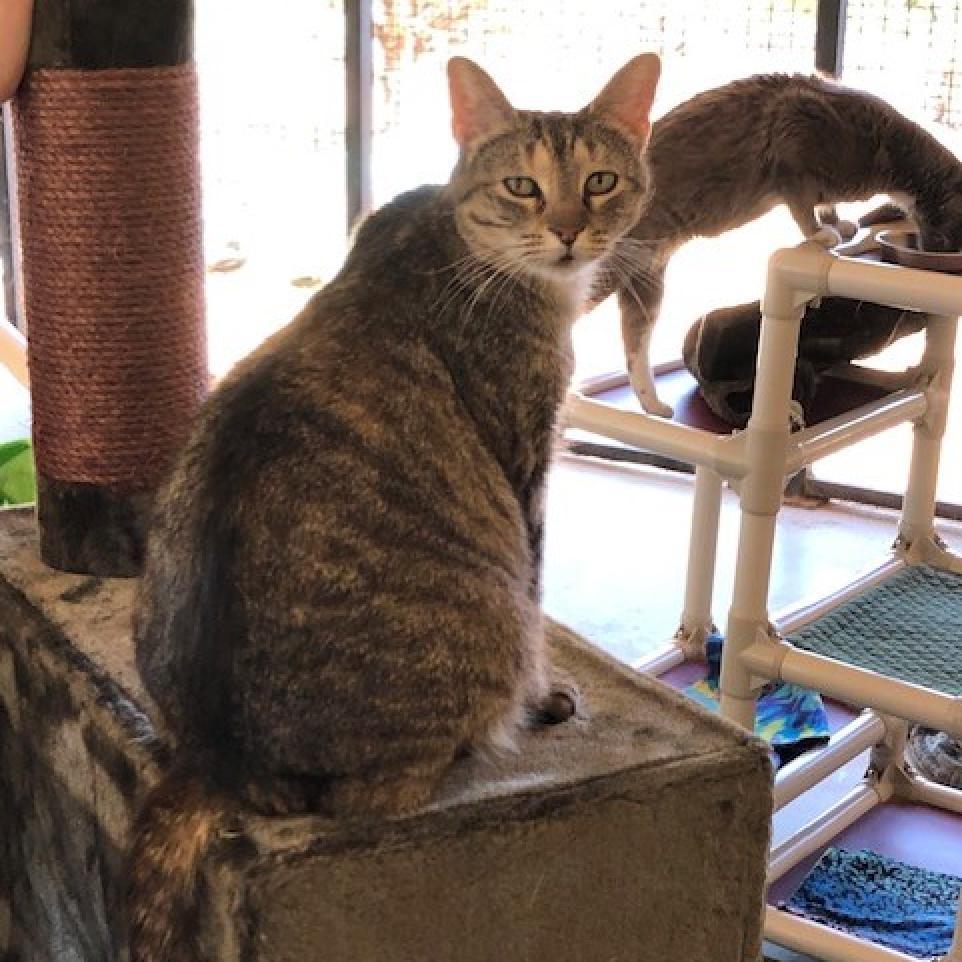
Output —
(342, 589)
(731, 154)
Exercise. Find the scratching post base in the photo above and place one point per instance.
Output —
(636, 834)
(91, 528)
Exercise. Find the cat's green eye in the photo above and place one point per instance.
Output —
(522, 186)
(601, 182)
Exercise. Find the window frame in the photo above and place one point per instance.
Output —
(12, 279)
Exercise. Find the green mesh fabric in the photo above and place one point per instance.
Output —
(909, 627)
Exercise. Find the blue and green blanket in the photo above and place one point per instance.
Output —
(791, 719)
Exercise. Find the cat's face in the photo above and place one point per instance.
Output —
(550, 193)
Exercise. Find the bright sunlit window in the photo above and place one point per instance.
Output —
(274, 150)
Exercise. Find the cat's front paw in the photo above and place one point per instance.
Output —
(560, 704)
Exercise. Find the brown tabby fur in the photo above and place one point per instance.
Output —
(731, 154)
(342, 591)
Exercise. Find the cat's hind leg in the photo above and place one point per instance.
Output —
(639, 310)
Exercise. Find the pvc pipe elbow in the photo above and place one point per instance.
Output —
(795, 276)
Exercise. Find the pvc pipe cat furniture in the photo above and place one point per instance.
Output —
(759, 460)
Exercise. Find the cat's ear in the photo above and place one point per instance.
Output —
(478, 108)
(626, 101)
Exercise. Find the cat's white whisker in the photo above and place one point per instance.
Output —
(494, 270)
(626, 277)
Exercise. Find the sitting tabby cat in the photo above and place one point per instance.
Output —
(342, 589)
(731, 154)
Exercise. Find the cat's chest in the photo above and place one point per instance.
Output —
(527, 384)
(517, 405)
(512, 373)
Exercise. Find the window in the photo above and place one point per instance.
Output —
(278, 143)
(8, 295)
(272, 154)
(273, 119)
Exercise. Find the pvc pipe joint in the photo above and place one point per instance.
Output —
(796, 275)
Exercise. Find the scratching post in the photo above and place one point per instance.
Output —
(108, 181)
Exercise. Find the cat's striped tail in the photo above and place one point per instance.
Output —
(177, 822)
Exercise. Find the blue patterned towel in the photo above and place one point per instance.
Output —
(881, 900)
(791, 719)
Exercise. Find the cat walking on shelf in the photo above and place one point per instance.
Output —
(733, 153)
(342, 589)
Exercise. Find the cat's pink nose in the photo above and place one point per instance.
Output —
(567, 235)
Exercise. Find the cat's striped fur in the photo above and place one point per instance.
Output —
(342, 591)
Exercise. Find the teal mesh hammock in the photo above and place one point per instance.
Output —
(909, 627)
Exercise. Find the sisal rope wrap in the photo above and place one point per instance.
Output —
(110, 216)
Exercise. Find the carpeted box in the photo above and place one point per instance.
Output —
(636, 834)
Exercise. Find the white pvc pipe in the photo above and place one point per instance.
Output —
(795, 276)
(721, 452)
(918, 508)
(808, 770)
(939, 556)
(822, 829)
(828, 945)
(929, 291)
(702, 551)
(598, 383)
(854, 685)
(747, 617)
(760, 492)
(815, 443)
(932, 793)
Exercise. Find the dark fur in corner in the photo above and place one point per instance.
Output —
(720, 349)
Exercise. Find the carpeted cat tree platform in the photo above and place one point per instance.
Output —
(636, 834)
